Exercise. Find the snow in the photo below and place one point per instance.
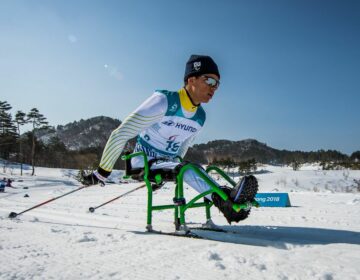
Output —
(317, 238)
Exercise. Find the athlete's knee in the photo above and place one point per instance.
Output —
(180, 166)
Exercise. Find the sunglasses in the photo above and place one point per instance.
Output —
(211, 81)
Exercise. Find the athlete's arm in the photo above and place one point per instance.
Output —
(148, 113)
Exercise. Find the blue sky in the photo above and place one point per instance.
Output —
(290, 70)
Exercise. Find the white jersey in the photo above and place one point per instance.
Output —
(166, 124)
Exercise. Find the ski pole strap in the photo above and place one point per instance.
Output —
(158, 176)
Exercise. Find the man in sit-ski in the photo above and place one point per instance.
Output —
(166, 124)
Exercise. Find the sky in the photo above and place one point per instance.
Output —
(290, 74)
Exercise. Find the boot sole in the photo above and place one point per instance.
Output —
(248, 189)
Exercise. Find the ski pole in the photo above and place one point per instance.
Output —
(14, 214)
(92, 209)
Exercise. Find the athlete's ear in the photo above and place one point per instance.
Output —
(191, 80)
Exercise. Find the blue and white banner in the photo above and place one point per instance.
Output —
(273, 199)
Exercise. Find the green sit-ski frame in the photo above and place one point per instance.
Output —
(180, 205)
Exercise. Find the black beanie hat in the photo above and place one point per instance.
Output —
(200, 64)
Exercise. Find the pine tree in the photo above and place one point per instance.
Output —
(20, 119)
(295, 165)
(38, 122)
(7, 130)
(355, 156)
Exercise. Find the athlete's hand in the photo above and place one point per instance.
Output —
(92, 179)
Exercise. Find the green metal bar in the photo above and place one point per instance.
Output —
(179, 210)
(213, 188)
(148, 184)
(193, 167)
(176, 212)
(238, 207)
(163, 207)
(222, 173)
(171, 206)
(197, 205)
(207, 210)
(189, 204)
(180, 192)
(149, 203)
(146, 165)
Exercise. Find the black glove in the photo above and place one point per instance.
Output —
(92, 179)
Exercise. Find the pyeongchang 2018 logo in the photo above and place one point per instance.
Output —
(180, 126)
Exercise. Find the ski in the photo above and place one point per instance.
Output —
(193, 235)
(209, 226)
(216, 229)
(188, 234)
(211, 229)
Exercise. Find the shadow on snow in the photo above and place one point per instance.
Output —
(281, 237)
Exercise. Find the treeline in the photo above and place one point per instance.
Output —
(54, 154)
(27, 148)
(247, 150)
(11, 144)
(329, 159)
(287, 157)
(327, 162)
(242, 167)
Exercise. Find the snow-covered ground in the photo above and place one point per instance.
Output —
(317, 238)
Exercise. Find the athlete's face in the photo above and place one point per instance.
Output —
(203, 88)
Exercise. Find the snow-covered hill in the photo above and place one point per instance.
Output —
(83, 134)
(317, 238)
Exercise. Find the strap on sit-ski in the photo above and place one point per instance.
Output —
(158, 176)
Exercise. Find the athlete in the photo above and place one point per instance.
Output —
(165, 125)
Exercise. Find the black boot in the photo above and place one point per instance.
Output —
(245, 190)
(226, 207)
